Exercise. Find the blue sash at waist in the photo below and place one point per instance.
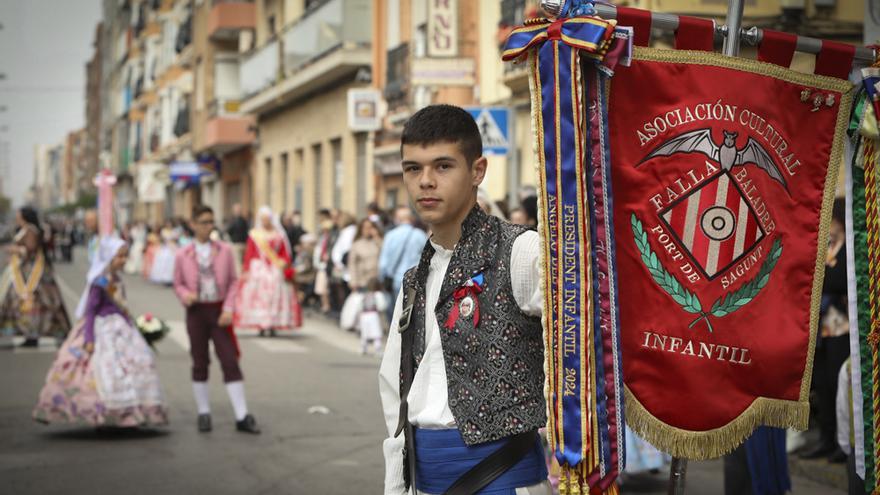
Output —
(442, 457)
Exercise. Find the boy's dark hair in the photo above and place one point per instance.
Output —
(444, 124)
(199, 210)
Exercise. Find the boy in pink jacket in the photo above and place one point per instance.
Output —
(205, 282)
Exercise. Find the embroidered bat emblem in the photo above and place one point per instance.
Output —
(700, 141)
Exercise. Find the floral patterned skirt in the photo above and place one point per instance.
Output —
(115, 385)
(266, 301)
(46, 316)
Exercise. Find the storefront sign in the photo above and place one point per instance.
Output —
(442, 28)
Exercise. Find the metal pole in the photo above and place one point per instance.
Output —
(513, 166)
(734, 24)
(677, 472)
(752, 36)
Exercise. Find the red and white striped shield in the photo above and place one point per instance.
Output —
(715, 224)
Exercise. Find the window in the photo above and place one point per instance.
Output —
(512, 12)
(316, 154)
(298, 186)
(200, 85)
(268, 181)
(420, 42)
(271, 25)
(361, 160)
(338, 171)
(285, 182)
(392, 34)
(397, 75)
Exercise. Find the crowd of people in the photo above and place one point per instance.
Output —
(330, 270)
(270, 268)
(349, 270)
(261, 278)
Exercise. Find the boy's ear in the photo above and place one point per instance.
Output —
(479, 170)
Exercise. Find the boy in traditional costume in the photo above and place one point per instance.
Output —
(462, 380)
(30, 301)
(205, 282)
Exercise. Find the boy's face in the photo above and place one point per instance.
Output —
(440, 181)
(202, 226)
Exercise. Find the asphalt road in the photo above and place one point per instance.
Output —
(313, 394)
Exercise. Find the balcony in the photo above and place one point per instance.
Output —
(228, 18)
(260, 69)
(226, 129)
(397, 77)
(516, 77)
(327, 44)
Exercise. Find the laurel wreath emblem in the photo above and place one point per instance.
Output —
(724, 305)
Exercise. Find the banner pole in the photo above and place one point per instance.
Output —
(734, 25)
(677, 472)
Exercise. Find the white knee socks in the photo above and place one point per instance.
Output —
(236, 396)
(203, 403)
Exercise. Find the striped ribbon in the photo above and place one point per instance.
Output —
(868, 348)
(872, 263)
(581, 324)
(867, 216)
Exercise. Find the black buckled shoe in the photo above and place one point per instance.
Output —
(205, 423)
(837, 457)
(817, 450)
(248, 425)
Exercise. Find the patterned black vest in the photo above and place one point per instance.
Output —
(494, 372)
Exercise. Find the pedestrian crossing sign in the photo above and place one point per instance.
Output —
(494, 129)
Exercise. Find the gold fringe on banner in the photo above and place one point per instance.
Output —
(709, 444)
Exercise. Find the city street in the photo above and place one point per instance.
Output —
(313, 394)
(287, 377)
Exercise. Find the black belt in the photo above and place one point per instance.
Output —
(498, 462)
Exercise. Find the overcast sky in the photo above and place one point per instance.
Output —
(44, 46)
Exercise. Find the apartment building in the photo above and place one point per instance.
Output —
(72, 166)
(299, 104)
(424, 52)
(92, 132)
(222, 135)
(295, 81)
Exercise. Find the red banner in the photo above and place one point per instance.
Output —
(724, 171)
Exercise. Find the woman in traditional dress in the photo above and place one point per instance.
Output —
(30, 301)
(154, 242)
(136, 252)
(105, 372)
(267, 300)
(162, 271)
